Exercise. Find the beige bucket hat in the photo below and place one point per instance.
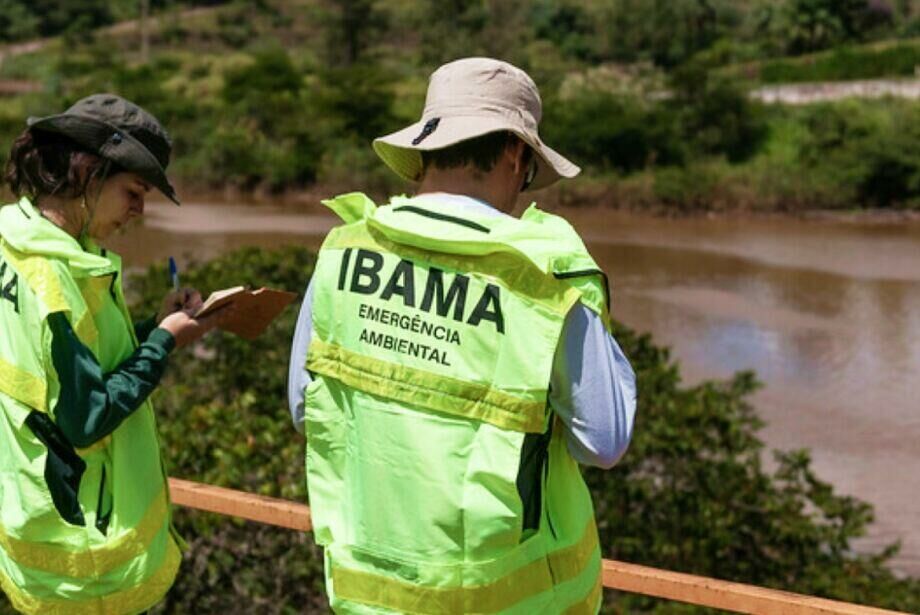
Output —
(469, 98)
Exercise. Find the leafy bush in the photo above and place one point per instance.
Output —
(258, 86)
(348, 164)
(889, 165)
(17, 21)
(235, 26)
(358, 100)
(63, 16)
(613, 131)
(568, 26)
(870, 153)
(349, 28)
(685, 188)
(703, 115)
(819, 24)
(667, 32)
(265, 135)
(715, 115)
(844, 63)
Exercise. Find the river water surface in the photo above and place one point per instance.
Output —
(826, 312)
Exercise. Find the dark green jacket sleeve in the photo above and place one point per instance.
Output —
(143, 328)
(92, 404)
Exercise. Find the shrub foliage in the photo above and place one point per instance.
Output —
(269, 96)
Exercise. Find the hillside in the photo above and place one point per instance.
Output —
(276, 97)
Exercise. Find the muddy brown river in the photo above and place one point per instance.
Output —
(826, 312)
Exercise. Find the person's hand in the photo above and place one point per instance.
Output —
(185, 328)
(182, 299)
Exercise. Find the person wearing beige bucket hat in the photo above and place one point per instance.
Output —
(451, 367)
(468, 99)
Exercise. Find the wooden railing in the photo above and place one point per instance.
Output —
(680, 587)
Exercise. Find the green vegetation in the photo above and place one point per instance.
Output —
(649, 97)
(841, 64)
(25, 19)
(692, 494)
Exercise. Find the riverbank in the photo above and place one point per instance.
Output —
(575, 194)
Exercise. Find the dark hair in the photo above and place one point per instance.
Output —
(44, 163)
(480, 152)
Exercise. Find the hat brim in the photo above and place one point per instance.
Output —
(126, 151)
(404, 157)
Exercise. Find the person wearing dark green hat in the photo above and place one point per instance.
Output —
(84, 505)
(120, 132)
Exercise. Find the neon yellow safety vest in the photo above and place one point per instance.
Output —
(439, 477)
(123, 557)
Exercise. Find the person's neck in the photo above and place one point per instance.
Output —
(66, 214)
(480, 186)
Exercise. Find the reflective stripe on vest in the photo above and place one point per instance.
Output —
(94, 560)
(500, 594)
(43, 280)
(592, 603)
(441, 393)
(24, 387)
(130, 600)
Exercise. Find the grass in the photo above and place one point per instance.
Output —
(887, 59)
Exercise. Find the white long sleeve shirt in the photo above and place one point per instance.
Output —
(592, 385)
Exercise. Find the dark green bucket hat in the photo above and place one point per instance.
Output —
(120, 131)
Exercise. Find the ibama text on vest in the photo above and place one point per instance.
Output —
(367, 278)
(8, 285)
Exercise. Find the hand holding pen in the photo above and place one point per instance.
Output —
(177, 312)
(185, 299)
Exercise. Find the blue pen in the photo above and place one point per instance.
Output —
(173, 273)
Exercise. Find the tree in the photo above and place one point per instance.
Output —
(868, 158)
(17, 21)
(70, 16)
(358, 100)
(350, 28)
(714, 113)
(568, 26)
(266, 135)
(667, 32)
(818, 24)
(458, 28)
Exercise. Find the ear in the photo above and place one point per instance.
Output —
(91, 180)
(515, 152)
